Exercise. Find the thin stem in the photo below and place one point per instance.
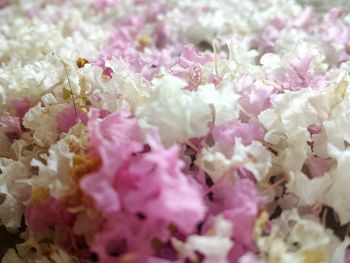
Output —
(71, 90)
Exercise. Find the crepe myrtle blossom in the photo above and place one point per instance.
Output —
(174, 131)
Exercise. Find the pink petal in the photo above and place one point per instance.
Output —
(67, 119)
(21, 107)
(10, 126)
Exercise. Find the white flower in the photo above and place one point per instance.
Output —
(294, 239)
(337, 195)
(253, 157)
(214, 246)
(55, 173)
(287, 121)
(42, 120)
(179, 114)
(13, 192)
(123, 90)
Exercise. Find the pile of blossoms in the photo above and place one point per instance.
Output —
(174, 131)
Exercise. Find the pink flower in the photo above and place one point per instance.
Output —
(154, 10)
(114, 138)
(55, 214)
(226, 134)
(333, 15)
(299, 75)
(33, 12)
(255, 96)
(160, 35)
(189, 66)
(106, 199)
(127, 235)
(337, 33)
(67, 119)
(154, 185)
(151, 182)
(10, 126)
(242, 207)
(305, 19)
(3, 3)
(241, 204)
(123, 35)
(21, 107)
(265, 41)
(189, 53)
(52, 215)
(101, 5)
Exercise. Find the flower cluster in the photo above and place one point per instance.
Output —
(174, 131)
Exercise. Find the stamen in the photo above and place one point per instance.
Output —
(215, 58)
(51, 88)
